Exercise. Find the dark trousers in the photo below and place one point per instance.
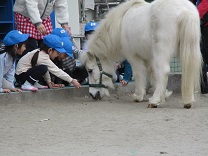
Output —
(32, 75)
(204, 43)
(79, 73)
(119, 71)
(204, 51)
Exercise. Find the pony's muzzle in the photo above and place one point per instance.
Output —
(96, 96)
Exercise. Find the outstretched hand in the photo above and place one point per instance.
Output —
(76, 83)
(123, 83)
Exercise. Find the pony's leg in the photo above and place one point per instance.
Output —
(139, 73)
(161, 70)
(151, 80)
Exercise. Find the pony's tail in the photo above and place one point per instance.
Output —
(190, 55)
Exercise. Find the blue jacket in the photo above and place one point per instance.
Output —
(127, 71)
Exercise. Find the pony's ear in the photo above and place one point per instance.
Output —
(90, 55)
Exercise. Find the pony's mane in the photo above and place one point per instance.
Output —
(105, 41)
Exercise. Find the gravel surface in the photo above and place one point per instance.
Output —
(115, 126)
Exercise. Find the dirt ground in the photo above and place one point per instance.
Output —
(115, 126)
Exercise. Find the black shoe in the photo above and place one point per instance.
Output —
(204, 90)
(16, 84)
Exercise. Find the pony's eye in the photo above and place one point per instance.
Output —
(90, 71)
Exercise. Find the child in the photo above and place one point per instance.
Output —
(36, 64)
(14, 43)
(125, 69)
(69, 64)
(66, 40)
(89, 29)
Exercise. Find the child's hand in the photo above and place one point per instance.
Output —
(76, 83)
(6, 90)
(52, 85)
(61, 85)
(16, 90)
(123, 83)
(117, 65)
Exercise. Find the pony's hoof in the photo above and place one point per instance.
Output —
(152, 106)
(187, 106)
(137, 98)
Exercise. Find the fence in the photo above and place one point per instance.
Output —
(175, 65)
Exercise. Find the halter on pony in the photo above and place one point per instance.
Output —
(100, 85)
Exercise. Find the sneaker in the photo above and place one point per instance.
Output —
(120, 77)
(29, 87)
(38, 85)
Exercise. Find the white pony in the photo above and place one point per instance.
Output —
(148, 35)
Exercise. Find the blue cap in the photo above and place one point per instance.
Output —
(66, 39)
(68, 46)
(54, 41)
(91, 26)
(14, 37)
(60, 32)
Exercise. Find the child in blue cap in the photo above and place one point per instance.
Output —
(15, 43)
(38, 63)
(68, 61)
(62, 33)
(90, 27)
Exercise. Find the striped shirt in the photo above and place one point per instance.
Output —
(69, 63)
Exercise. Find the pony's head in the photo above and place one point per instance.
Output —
(101, 75)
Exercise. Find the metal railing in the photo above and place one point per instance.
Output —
(175, 65)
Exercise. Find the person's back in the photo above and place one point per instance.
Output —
(25, 62)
